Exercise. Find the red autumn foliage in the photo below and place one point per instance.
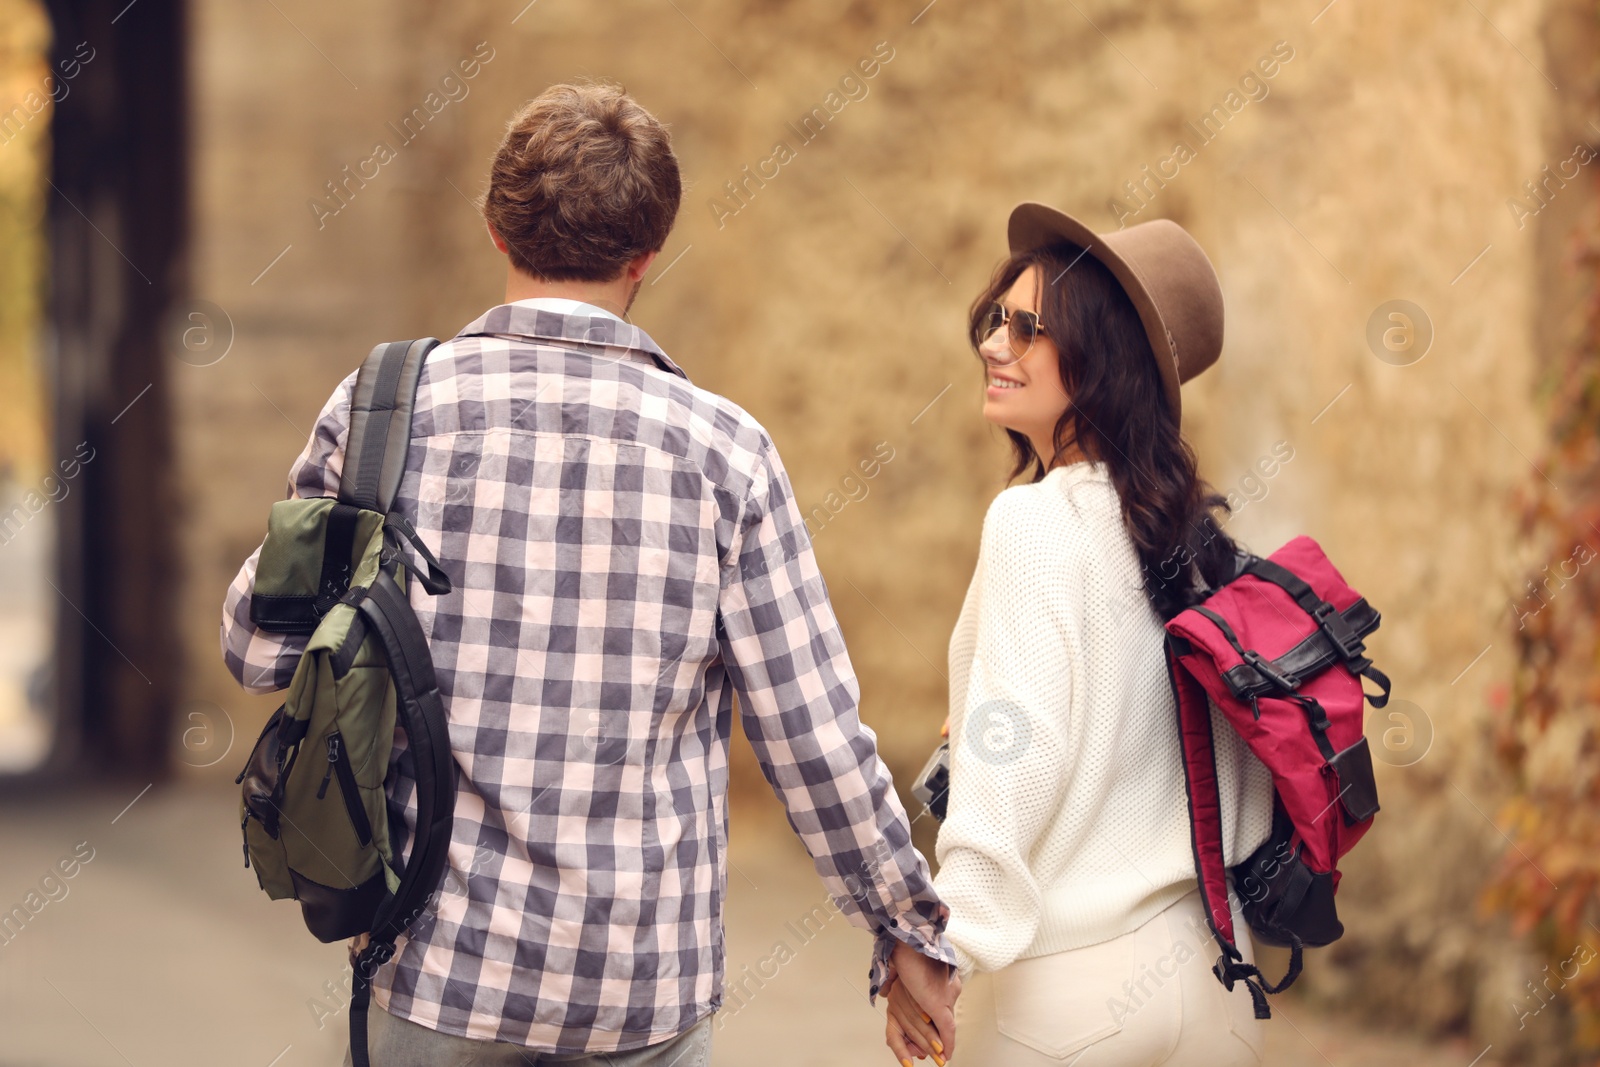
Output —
(1547, 728)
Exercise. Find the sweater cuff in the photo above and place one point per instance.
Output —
(966, 966)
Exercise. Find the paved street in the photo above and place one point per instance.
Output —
(163, 952)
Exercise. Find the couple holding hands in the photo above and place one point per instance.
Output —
(627, 556)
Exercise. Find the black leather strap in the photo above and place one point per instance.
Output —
(1329, 619)
(1288, 581)
(1276, 683)
(337, 547)
(1314, 653)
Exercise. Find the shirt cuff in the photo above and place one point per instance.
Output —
(928, 940)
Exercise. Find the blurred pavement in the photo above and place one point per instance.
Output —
(163, 951)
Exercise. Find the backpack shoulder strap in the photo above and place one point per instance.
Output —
(1205, 799)
(380, 423)
(1198, 751)
(420, 710)
(375, 460)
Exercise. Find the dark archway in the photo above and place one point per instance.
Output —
(117, 219)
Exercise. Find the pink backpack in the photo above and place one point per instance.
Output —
(1278, 650)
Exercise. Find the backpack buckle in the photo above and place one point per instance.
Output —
(1264, 667)
(1315, 714)
(1223, 969)
(1339, 632)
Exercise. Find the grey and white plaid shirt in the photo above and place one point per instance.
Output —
(627, 554)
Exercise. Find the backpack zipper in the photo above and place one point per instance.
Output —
(333, 756)
(339, 763)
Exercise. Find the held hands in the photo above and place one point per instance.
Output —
(922, 996)
(912, 1030)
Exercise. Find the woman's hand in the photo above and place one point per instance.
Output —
(909, 1032)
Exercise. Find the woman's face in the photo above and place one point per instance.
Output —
(1026, 396)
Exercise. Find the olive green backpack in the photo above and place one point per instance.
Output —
(314, 810)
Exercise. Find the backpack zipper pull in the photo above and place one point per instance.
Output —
(333, 757)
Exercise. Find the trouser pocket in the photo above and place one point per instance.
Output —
(1110, 994)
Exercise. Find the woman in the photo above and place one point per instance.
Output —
(1065, 855)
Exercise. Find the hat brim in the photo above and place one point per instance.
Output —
(1034, 225)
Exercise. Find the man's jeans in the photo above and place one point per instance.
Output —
(396, 1042)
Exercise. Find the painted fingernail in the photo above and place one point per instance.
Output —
(938, 1059)
(905, 1063)
(937, 1047)
(927, 1018)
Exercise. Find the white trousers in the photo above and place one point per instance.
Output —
(1146, 998)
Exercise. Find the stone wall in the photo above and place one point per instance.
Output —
(1374, 164)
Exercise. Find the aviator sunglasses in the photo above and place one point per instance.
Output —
(1022, 330)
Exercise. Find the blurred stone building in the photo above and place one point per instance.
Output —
(1332, 158)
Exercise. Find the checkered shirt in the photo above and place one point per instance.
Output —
(626, 554)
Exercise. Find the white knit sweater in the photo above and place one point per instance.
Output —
(1067, 822)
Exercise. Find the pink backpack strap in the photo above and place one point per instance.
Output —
(1205, 800)
(1205, 828)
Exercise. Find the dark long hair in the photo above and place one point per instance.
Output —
(1119, 414)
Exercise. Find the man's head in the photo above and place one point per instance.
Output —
(583, 185)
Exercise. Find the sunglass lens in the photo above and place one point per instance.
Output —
(993, 319)
(1024, 328)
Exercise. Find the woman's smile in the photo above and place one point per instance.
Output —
(999, 383)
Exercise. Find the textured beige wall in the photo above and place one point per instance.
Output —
(26, 84)
(1377, 167)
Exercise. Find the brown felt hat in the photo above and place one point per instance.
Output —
(1163, 270)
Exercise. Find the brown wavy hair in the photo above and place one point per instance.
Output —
(1119, 414)
(584, 180)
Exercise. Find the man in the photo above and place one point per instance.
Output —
(626, 554)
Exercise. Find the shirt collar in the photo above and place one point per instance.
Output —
(571, 323)
(564, 306)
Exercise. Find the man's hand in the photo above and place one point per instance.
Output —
(922, 994)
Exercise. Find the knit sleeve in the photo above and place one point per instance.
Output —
(1007, 734)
